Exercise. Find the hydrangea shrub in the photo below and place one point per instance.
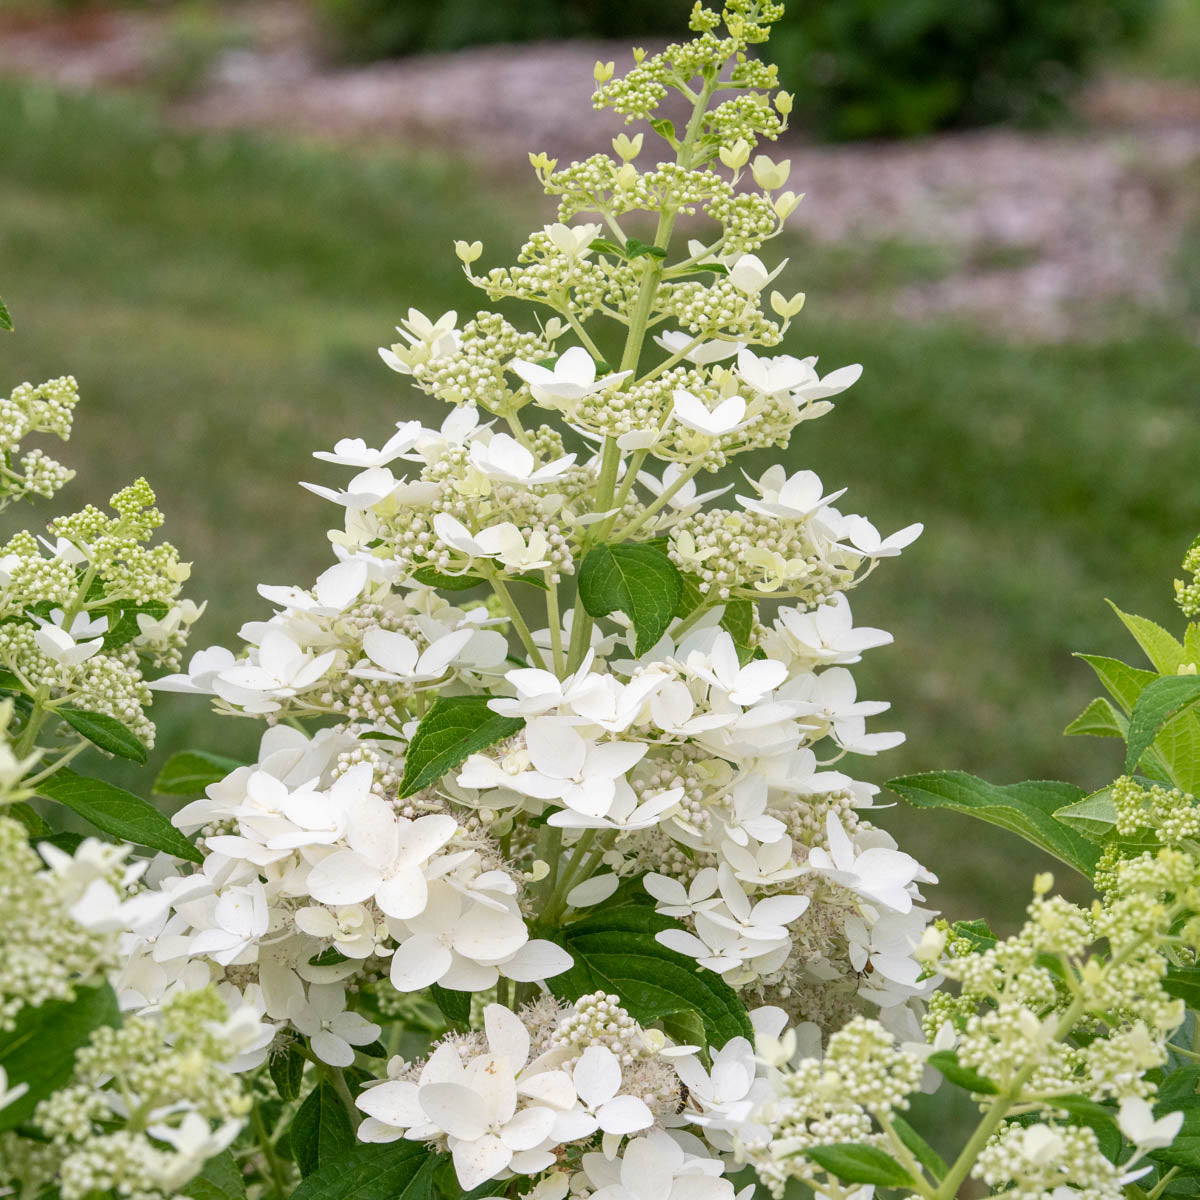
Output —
(551, 877)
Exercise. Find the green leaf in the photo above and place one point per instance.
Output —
(432, 577)
(118, 813)
(978, 933)
(5, 319)
(329, 957)
(1123, 682)
(636, 248)
(1191, 643)
(321, 1129)
(122, 621)
(1024, 808)
(1184, 983)
(852, 1163)
(1160, 647)
(30, 818)
(106, 732)
(454, 728)
(691, 595)
(1099, 719)
(946, 1061)
(638, 580)
(220, 1180)
(454, 1006)
(716, 268)
(738, 621)
(604, 246)
(1160, 701)
(920, 1149)
(1184, 1151)
(190, 772)
(287, 1071)
(40, 1049)
(615, 951)
(1094, 816)
(374, 1171)
(665, 129)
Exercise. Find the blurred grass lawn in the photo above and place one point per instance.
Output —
(220, 299)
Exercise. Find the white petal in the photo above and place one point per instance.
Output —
(343, 878)
(506, 1035)
(597, 1075)
(418, 962)
(528, 1128)
(624, 1114)
(455, 1108)
(593, 891)
(331, 1049)
(478, 1161)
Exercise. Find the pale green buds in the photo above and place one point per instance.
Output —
(468, 252)
(783, 103)
(769, 174)
(603, 72)
(627, 176)
(542, 161)
(736, 156)
(785, 204)
(627, 148)
(787, 308)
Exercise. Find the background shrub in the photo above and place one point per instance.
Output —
(860, 68)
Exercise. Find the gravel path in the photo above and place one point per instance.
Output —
(1043, 230)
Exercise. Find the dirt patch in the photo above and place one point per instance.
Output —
(1044, 230)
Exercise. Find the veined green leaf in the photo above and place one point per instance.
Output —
(946, 1062)
(1160, 647)
(1123, 682)
(374, 1171)
(852, 1163)
(432, 577)
(1184, 1151)
(452, 730)
(1099, 719)
(1025, 808)
(221, 1179)
(1094, 816)
(615, 951)
(191, 772)
(321, 1130)
(1160, 701)
(921, 1150)
(454, 1006)
(638, 580)
(1184, 982)
(40, 1049)
(5, 319)
(118, 813)
(287, 1071)
(106, 732)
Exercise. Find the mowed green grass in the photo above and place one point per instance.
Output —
(220, 299)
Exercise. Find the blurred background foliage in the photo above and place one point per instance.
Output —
(860, 68)
(220, 295)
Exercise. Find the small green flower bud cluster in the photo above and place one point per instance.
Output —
(44, 953)
(48, 408)
(112, 1124)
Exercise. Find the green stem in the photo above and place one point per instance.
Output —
(906, 1156)
(660, 501)
(274, 1166)
(337, 1081)
(514, 615)
(554, 622)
